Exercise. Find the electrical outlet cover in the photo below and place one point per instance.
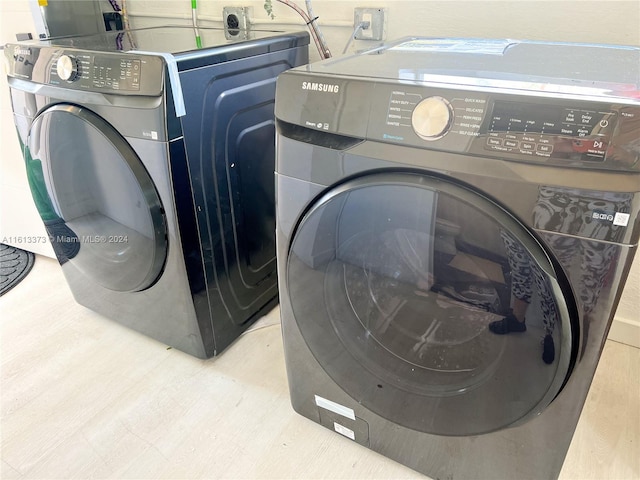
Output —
(377, 23)
(236, 22)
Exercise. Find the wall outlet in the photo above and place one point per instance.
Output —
(236, 22)
(376, 18)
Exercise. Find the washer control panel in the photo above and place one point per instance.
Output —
(514, 127)
(432, 117)
(477, 122)
(548, 131)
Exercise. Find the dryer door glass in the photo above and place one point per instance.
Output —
(98, 203)
(401, 284)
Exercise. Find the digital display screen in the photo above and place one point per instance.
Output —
(519, 117)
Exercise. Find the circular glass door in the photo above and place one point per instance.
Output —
(99, 204)
(408, 288)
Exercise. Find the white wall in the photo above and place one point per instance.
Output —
(578, 21)
(600, 21)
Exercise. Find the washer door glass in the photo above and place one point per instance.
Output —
(399, 284)
(99, 205)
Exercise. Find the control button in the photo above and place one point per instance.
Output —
(432, 118)
(586, 118)
(604, 123)
(67, 68)
(570, 116)
(494, 142)
(596, 149)
(545, 148)
(527, 146)
(511, 143)
(583, 132)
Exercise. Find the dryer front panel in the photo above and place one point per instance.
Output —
(98, 202)
(399, 283)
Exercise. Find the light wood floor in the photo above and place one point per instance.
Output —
(83, 397)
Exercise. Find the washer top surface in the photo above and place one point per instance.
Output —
(594, 69)
(560, 104)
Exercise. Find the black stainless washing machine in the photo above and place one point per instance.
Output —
(455, 220)
(151, 160)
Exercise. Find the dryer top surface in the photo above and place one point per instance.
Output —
(179, 41)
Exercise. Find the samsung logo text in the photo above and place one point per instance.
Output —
(24, 51)
(320, 87)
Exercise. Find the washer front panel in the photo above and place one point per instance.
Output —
(394, 289)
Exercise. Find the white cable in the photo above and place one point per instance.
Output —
(254, 21)
(360, 26)
(194, 20)
(290, 21)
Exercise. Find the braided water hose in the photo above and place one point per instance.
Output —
(323, 42)
(313, 28)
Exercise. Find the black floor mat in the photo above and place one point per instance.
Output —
(15, 264)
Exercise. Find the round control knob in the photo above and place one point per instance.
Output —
(432, 118)
(67, 68)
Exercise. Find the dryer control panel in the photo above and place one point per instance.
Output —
(97, 71)
(106, 72)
